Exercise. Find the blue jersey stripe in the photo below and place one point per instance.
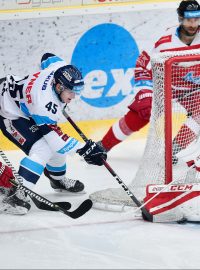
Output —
(24, 109)
(56, 169)
(28, 175)
(49, 61)
(32, 166)
(41, 120)
(144, 83)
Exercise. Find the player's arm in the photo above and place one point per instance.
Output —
(62, 143)
(57, 140)
(143, 87)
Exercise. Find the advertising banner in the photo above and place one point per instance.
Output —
(42, 4)
(29, 4)
(104, 46)
(92, 2)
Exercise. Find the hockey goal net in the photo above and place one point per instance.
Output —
(174, 125)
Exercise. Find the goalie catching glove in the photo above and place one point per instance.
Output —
(93, 153)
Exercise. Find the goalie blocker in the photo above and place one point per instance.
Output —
(176, 203)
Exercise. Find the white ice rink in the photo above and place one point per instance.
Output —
(98, 240)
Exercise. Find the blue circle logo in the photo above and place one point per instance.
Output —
(106, 54)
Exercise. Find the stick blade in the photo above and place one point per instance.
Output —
(65, 205)
(43, 206)
(81, 210)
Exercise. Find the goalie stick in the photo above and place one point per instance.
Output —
(145, 213)
(44, 204)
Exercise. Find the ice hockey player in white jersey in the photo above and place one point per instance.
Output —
(184, 36)
(30, 109)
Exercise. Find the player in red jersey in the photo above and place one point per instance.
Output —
(185, 36)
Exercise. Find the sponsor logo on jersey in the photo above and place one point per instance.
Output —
(69, 146)
(190, 77)
(145, 95)
(30, 86)
(14, 132)
(48, 78)
(34, 128)
(106, 54)
(143, 60)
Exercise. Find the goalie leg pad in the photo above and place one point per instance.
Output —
(177, 203)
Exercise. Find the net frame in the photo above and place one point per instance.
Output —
(168, 111)
(116, 199)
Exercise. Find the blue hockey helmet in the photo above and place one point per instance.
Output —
(189, 9)
(69, 77)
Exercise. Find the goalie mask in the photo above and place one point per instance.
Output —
(70, 78)
(189, 9)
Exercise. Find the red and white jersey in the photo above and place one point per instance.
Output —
(170, 41)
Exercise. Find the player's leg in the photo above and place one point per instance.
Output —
(55, 170)
(123, 128)
(23, 133)
(38, 152)
(136, 118)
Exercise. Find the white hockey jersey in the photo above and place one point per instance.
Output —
(170, 40)
(34, 96)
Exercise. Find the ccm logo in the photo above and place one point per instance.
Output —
(181, 187)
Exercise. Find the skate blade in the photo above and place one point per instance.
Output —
(65, 192)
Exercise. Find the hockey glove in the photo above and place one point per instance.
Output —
(5, 175)
(93, 153)
(142, 104)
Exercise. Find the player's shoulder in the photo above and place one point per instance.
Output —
(50, 60)
(166, 37)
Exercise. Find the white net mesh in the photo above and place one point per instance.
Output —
(180, 84)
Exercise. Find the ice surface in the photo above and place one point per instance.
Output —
(98, 240)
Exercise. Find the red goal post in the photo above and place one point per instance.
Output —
(168, 107)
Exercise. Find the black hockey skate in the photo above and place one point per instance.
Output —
(14, 201)
(65, 184)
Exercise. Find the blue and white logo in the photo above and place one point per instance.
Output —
(189, 77)
(106, 54)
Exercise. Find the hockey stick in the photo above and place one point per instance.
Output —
(44, 204)
(2, 80)
(145, 213)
